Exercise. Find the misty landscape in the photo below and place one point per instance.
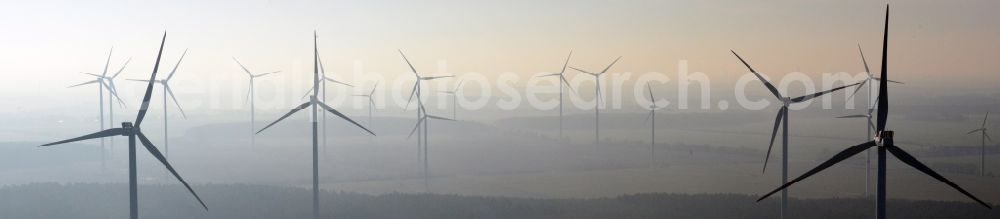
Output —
(445, 109)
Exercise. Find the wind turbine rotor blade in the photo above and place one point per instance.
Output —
(122, 68)
(149, 85)
(897, 82)
(170, 93)
(564, 81)
(987, 136)
(266, 73)
(85, 83)
(974, 131)
(547, 75)
(916, 164)
(163, 160)
(249, 91)
(774, 133)
(870, 124)
(171, 75)
(853, 116)
(107, 63)
(566, 63)
(843, 155)
(92, 74)
(415, 127)
(581, 70)
(648, 116)
(650, 90)
(408, 62)
(372, 94)
(100, 134)
(856, 89)
(865, 61)
(243, 67)
(112, 91)
(436, 77)
(412, 93)
(821, 93)
(296, 109)
(883, 87)
(767, 84)
(985, 118)
(336, 81)
(309, 92)
(342, 116)
(609, 65)
(439, 118)
(139, 80)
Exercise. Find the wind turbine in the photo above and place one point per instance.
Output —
(103, 82)
(563, 81)
(982, 158)
(314, 103)
(597, 98)
(371, 101)
(250, 98)
(165, 83)
(868, 78)
(322, 86)
(421, 135)
(423, 120)
(652, 127)
(883, 141)
(783, 116)
(133, 131)
(454, 99)
(868, 160)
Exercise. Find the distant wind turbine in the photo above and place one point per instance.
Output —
(322, 86)
(133, 131)
(250, 98)
(421, 135)
(982, 157)
(424, 120)
(454, 99)
(165, 83)
(652, 127)
(783, 116)
(314, 104)
(597, 98)
(562, 81)
(868, 78)
(883, 141)
(103, 82)
(371, 102)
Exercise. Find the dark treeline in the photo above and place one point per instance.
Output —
(50, 200)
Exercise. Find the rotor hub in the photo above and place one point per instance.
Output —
(883, 138)
(786, 100)
(128, 129)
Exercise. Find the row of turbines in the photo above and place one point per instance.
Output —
(882, 140)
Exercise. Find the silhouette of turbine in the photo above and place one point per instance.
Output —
(982, 156)
(421, 135)
(883, 141)
(598, 99)
(783, 116)
(562, 81)
(250, 98)
(314, 103)
(103, 82)
(133, 131)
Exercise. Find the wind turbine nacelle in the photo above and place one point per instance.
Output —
(786, 101)
(128, 129)
(883, 138)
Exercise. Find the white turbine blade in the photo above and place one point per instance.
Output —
(342, 116)
(548, 75)
(266, 73)
(296, 109)
(309, 92)
(408, 63)
(415, 127)
(85, 83)
(439, 118)
(100, 134)
(860, 85)
(564, 81)
(372, 94)
(581, 70)
(566, 63)
(336, 81)
(243, 67)
(170, 93)
(163, 160)
(609, 65)
(107, 63)
(436, 77)
(122, 68)
(171, 75)
(249, 91)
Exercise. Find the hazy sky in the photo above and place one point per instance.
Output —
(46, 43)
